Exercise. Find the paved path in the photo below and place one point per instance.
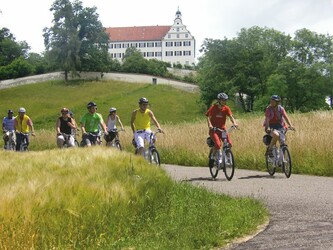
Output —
(301, 207)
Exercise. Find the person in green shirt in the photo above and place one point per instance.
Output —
(91, 123)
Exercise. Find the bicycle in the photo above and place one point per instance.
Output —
(221, 160)
(115, 142)
(94, 138)
(10, 143)
(67, 137)
(151, 154)
(281, 156)
(24, 142)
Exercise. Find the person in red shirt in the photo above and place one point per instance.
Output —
(216, 117)
(275, 122)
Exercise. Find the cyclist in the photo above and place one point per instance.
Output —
(91, 123)
(65, 125)
(140, 124)
(112, 121)
(8, 127)
(275, 117)
(216, 117)
(23, 125)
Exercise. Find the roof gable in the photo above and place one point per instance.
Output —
(142, 33)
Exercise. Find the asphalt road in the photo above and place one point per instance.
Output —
(301, 207)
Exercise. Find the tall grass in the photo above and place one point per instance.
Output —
(99, 198)
(185, 143)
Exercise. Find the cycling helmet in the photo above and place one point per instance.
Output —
(275, 98)
(91, 104)
(64, 110)
(21, 110)
(10, 111)
(222, 96)
(113, 109)
(143, 100)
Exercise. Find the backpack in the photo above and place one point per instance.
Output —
(279, 114)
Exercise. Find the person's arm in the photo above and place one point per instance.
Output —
(120, 123)
(152, 116)
(233, 121)
(3, 126)
(58, 127)
(288, 120)
(15, 124)
(83, 129)
(209, 123)
(132, 120)
(31, 126)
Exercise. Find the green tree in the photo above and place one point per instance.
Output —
(134, 62)
(77, 39)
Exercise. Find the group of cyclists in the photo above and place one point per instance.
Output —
(275, 124)
(17, 127)
(92, 123)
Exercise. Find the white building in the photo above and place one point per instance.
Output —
(173, 44)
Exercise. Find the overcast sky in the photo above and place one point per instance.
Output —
(204, 19)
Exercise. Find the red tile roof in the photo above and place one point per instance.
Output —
(143, 33)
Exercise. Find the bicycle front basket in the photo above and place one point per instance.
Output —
(210, 142)
(267, 139)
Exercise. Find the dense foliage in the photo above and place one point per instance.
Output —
(262, 61)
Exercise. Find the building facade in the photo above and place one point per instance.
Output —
(173, 44)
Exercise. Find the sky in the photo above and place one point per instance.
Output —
(216, 19)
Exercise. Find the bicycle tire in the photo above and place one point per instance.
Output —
(270, 165)
(118, 146)
(228, 164)
(155, 157)
(286, 162)
(213, 168)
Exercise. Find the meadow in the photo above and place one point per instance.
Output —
(99, 198)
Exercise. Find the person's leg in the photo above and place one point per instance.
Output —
(60, 141)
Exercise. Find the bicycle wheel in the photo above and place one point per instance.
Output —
(228, 164)
(286, 162)
(155, 157)
(270, 165)
(213, 168)
(118, 146)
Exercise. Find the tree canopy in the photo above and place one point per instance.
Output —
(260, 62)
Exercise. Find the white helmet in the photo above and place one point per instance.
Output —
(21, 110)
(113, 109)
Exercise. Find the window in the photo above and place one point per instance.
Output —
(117, 46)
(110, 46)
(186, 35)
(178, 44)
(169, 53)
(142, 45)
(134, 45)
(158, 44)
(169, 35)
(150, 54)
(187, 43)
(187, 52)
(125, 45)
(158, 54)
(177, 35)
(178, 53)
(168, 44)
(178, 29)
(150, 44)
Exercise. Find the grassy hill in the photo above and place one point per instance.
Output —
(43, 101)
